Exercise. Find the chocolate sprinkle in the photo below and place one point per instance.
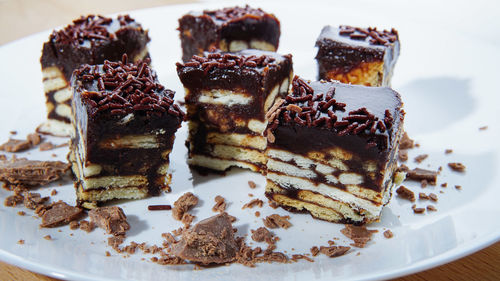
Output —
(232, 14)
(374, 36)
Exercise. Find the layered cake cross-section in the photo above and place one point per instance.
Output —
(362, 56)
(125, 124)
(228, 96)
(230, 30)
(332, 150)
(88, 40)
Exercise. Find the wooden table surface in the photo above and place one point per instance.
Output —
(31, 16)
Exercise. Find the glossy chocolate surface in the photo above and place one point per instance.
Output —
(199, 31)
(91, 40)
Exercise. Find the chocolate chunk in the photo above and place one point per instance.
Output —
(276, 221)
(60, 213)
(421, 158)
(406, 142)
(13, 145)
(457, 167)
(262, 234)
(359, 234)
(405, 193)
(34, 139)
(211, 241)
(31, 173)
(422, 174)
(334, 251)
(220, 204)
(253, 203)
(388, 234)
(184, 204)
(111, 219)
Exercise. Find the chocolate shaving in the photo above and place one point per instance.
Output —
(159, 207)
(359, 234)
(405, 193)
(220, 204)
(252, 184)
(262, 234)
(296, 257)
(187, 201)
(419, 210)
(457, 167)
(253, 203)
(334, 251)
(277, 221)
(371, 34)
(403, 155)
(422, 174)
(232, 14)
(31, 173)
(421, 158)
(60, 213)
(111, 219)
(431, 208)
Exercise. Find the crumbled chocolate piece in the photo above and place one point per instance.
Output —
(458, 187)
(13, 145)
(74, 225)
(257, 214)
(220, 204)
(168, 260)
(87, 226)
(252, 184)
(448, 151)
(115, 242)
(406, 142)
(457, 167)
(423, 196)
(359, 234)
(34, 139)
(422, 174)
(211, 241)
(276, 221)
(60, 213)
(169, 238)
(47, 237)
(421, 158)
(253, 203)
(33, 200)
(13, 200)
(334, 251)
(262, 234)
(31, 173)
(483, 128)
(111, 219)
(108, 254)
(431, 208)
(314, 251)
(178, 231)
(159, 207)
(273, 204)
(21, 213)
(388, 234)
(405, 193)
(187, 219)
(184, 204)
(444, 184)
(46, 146)
(20, 242)
(418, 210)
(297, 257)
(433, 197)
(423, 183)
(403, 155)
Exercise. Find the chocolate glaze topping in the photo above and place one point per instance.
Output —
(236, 13)
(370, 34)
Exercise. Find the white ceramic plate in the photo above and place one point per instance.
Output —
(446, 75)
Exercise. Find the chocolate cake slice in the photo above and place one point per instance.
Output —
(227, 98)
(363, 56)
(124, 123)
(89, 40)
(229, 29)
(332, 150)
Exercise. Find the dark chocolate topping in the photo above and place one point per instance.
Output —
(231, 14)
(371, 34)
(120, 88)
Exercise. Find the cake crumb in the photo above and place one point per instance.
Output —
(388, 234)
(421, 158)
(87, 226)
(277, 221)
(250, 195)
(262, 234)
(457, 167)
(448, 151)
(273, 204)
(13, 132)
(253, 203)
(47, 237)
(431, 208)
(34, 138)
(252, 184)
(187, 219)
(53, 192)
(220, 204)
(405, 193)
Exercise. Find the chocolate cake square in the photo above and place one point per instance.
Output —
(89, 40)
(356, 55)
(229, 29)
(227, 98)
(332, 150)
(125, 124)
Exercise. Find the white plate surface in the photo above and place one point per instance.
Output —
(446, 74)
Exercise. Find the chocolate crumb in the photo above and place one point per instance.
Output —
(115, 242)
(448, 151)
(423, 183)
(33, 200)
(403, 155)
(20, 242)
(74, 225)
(60, 213)
(276, 221)
(444, 184)
(159, 207)
(47, 237)
(14, 145)
(314, 251)
(252, 184)
(13, 132)
(220, 204)
(422, 174)
(359, 234)
(34, 139)
(431, 208)
(406, 142)
(423, 196)
(108, 254)
(483, 128)
(458, 187)
(273, 204)
(388, 234)
(187, 201)
(13, 200)
(418, 210)
(187, 219)
(53, 192)
(257, 214)
(87, 226)
(297, 257)
(421, 158)
(334, 251)
(111, 219)
(21, 213)
(457, 167)
(250, 195)
(46, 146)
(433, 197)
(405, 193)
(253, 203)
(262, 234)
(178, 231)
